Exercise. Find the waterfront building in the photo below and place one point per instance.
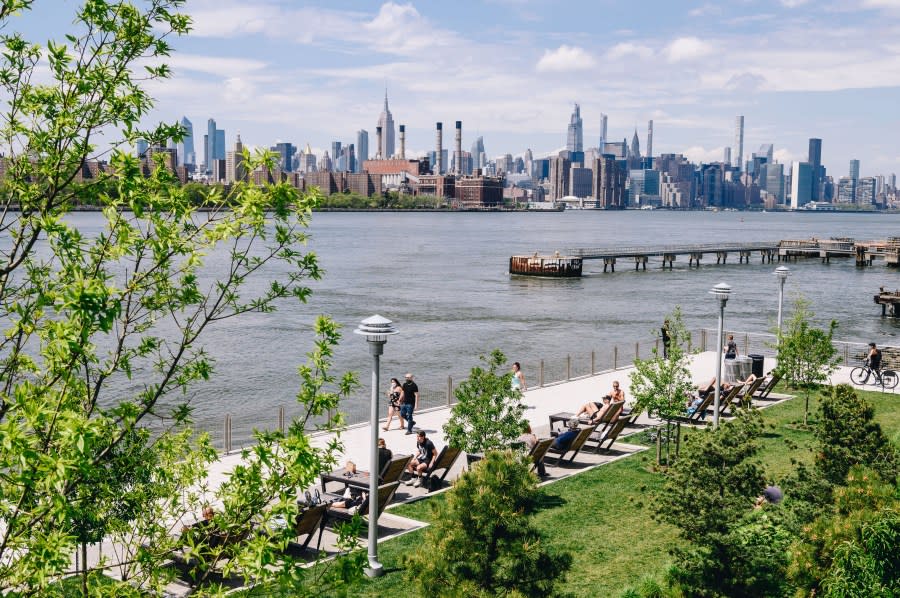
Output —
(608, 182)
(674, 193)
(386, 122)
(140, 148)
(559, 177)
(801, 184)
(185, 147)
(818, 172)
(362, 148)
(712, 185)
(643, 187)
(581, 182)
(866, 191)
(285, 151)
(392, 173)
(575, 133)
(479, 191)
(846, 190)
(739, 142)
(437, 185)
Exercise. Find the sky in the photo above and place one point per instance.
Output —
(511, 71)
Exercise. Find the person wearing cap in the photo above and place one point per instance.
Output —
(563, 441)
(410, 402)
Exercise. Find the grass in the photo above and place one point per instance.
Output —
(604, 518)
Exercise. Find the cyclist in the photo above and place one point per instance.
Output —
(873, 360)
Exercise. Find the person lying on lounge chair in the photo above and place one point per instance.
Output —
(705, 389)
(596, 410)
(563, 441)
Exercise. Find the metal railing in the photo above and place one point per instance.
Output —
(543, 372)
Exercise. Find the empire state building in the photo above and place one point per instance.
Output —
(386, 122)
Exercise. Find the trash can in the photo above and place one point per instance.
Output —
(745, 365)
(732, 371)
(759, 369)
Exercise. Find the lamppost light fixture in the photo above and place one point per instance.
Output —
(782, 272)
(721, 291)
(376, 329)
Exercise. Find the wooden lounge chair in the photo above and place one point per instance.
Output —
(575, 446)
(611, 415)
(698, 416)
(385, 495)
(746, 396)
(308, 521)
(445, 460)
(393, 469)
(539, 451)
(762, 394)
(726, 400)
(611, 434)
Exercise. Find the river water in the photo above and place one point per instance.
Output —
(442, 278)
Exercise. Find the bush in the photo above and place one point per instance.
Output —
(482, 542)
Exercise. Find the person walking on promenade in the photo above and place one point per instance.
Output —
(518, 378)
(394, 395)
(410, 402)
(664, 332)
(731, 349)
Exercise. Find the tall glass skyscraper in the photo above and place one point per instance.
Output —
(209, 153)
(362, 148)
(575, 137)
(185, 147)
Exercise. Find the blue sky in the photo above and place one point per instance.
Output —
(511, 70)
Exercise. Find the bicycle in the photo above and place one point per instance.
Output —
(885, 378)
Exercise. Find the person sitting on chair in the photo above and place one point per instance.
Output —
(564, 440)
(426, 455)
(529, 439)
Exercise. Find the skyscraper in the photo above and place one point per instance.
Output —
(739, 142)
(768, 151)
(185, 147)
(602, 146)
(234, 163)
(209, 153)
(575, 136)
(478, 155)
(650, 139)
(854, 169)
(285, 151)
(634, 153)
(801, 184)
(140, 148)
(362, 148)
(386, 122)
(815, 163)
(726, 156)
(219, 150)
(337, 162)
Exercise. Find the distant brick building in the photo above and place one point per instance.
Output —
(362, 183)
(437, 185)
(479, 191)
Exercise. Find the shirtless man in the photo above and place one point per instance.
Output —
(595, 410)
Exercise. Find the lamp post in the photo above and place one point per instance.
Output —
(782, 272)
(376, 329)
(721, 292)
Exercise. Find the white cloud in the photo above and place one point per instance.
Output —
(705, 10)
(783, 156)
(213, 65)
(565, 59)
(687, 48)
(626, 49)
(698, 153)
(793, 3)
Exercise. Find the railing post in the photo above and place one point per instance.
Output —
(227, 433)
(568, 367)
(703, 339)
(746, 343)
(656, 346)
(690, 337)
(615, 357)
(593, 359)
(637, 350)
(541, 379)
(281, 418)
(449, 390)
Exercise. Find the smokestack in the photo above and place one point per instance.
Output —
(457, 156)
(403, 142)
(439, 154)
(650, 139)
(378, 155)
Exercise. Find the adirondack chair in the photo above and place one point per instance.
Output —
(445, 460)
(385, 495)
(746, 396)
(611, 434)
(308, 521)
(575, 446)
(539, 451)
(726, 400)
(393, 469)
(762, 393)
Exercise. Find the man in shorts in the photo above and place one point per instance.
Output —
(426, 454)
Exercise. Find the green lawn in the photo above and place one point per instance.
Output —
(603, 516)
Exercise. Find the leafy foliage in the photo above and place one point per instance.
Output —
(488, 411)
(708, 495)
(482, 542)
(853, 550)
(104, 332)
(662, 384)
(806, 355)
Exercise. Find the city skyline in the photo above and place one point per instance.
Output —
(795, 70)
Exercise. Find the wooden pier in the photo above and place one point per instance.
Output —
(570, 264)
(888, 298)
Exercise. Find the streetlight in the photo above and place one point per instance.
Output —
(721, 292)
(376, 329)
(782, 272)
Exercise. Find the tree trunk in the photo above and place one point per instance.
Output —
(677, 439)
(84, 570)
(806, 410)
(658, 447)
(668, 443)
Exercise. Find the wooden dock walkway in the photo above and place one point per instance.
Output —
(569, 264)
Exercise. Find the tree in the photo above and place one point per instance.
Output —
(482, 542)
(806, 355)
(488, 410)
(848, 435)
(853, 549)
(103, 334)
(662, 384)
(708, 494)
